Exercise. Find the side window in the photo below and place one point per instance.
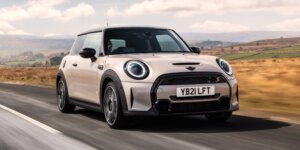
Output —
(117, 43)
(77, 46)
(93, 40)
(167, 43)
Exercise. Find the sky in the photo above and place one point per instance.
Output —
(69, 17)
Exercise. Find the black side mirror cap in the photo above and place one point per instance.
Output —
(196, 50)
(88, 53)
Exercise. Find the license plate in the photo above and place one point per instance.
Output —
(195, 91)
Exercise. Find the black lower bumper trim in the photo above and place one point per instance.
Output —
(167, 107)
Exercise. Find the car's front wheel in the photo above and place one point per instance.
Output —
(62, 98)
(112, 107)
(218, 117)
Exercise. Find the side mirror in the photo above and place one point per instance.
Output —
(88, 53)
(196, 50)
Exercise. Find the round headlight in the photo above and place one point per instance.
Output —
(136, 69)
(225, 66)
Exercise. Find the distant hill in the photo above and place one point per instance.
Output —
(12, 45)
(212, 44)
(268, 48)
(246, 36)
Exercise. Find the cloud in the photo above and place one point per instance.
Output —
(287, 25)
(192, 7)
(6, 28)
(217, 26)
(46, 2)
(18, 32)
(81, 9)
(45, 9)
(40, 9)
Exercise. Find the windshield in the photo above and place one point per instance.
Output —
(142, 40)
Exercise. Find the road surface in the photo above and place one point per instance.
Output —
(29, 119)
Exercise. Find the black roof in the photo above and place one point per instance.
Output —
(123, 27)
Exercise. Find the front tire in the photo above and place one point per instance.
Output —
(62, 98)
(112, 107)
(218, 117)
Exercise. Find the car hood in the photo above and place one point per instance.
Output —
(163, 63)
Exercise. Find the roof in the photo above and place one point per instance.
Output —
(98, 29)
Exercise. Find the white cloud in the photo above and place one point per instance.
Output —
(51, 34)
(81, 9)
(4, 26)
(287, 25)
(113, 11)
(192, 7)
(217, 26)
(41, 9)
(46, 2)
(13, 13)
(18, 32)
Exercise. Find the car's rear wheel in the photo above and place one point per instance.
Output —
(62, 98)
(112, 107)
(218, 117)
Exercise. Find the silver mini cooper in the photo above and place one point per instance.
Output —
(130, 71)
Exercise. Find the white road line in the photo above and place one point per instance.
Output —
(35, 122)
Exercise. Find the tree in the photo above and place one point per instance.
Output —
(54, 61)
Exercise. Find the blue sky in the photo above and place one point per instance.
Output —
(55, 17)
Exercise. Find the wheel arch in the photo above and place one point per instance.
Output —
(111, 76)
(59, 75)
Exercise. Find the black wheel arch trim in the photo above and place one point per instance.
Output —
(112, 75)
(60, 75)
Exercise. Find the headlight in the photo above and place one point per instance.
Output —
(225, 66)
(136, 69)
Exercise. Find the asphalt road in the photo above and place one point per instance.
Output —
(86, 129)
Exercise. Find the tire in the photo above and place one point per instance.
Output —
(218, 117)
(63, 97)
(112, 107)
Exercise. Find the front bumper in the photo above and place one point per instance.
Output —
(159, 98)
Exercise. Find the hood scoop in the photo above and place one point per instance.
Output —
(186, 63)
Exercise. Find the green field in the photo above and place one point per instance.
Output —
(288, 52)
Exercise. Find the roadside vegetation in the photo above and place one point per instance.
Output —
(269, 84)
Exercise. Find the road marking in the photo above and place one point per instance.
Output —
(35, 122)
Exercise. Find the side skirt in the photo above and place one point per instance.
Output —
(86, 105)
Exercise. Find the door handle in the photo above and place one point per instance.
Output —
(75, 65)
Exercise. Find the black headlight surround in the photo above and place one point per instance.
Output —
(143, 65)
(228, 72)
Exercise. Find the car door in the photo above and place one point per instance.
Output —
(86, 73)
(70, 64)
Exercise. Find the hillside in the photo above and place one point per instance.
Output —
(246, 36)
(14, 45)
(269, 48)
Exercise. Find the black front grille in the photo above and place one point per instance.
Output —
(194, 79)
(166, 107)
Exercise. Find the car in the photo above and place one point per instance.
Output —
(144, 71)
